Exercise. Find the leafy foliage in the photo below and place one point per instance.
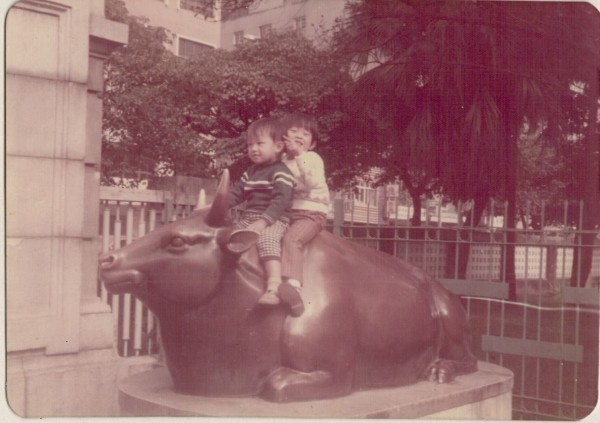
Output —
(225, 7)
(143, 126)
(171, 114)
(445, 87)
(542, 177)
(453, 84)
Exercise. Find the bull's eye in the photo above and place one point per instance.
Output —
(176, 244)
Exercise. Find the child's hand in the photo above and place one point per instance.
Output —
(257, 226)
(293, 147)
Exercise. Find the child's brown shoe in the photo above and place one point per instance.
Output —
(290, 295)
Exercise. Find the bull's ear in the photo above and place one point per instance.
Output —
(237, 241)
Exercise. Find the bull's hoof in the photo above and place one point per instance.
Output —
(285, 384)
(445, 371)
(442, 371)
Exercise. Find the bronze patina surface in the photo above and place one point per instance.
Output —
(371, 320)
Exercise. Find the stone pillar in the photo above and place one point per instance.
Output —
(60, 358)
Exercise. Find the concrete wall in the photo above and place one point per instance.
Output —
(60, 355)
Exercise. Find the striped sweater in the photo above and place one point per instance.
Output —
(266, 189)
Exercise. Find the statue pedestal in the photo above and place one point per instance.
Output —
(485, 394)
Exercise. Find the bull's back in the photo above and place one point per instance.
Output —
(353, 267)
(382, 294)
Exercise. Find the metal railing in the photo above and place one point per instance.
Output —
(547, 334)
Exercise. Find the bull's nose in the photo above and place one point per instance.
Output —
(107, 260)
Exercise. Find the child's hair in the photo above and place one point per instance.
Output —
(269, 125)
(301, 120)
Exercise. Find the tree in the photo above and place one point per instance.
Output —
(281, 73)
(178, 115)
(583, 148)
(470, 74)
(144, 127)
(541, 179)
(207, 8)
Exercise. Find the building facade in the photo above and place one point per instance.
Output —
(312, 18)
(189, 31)
(60, 355)
(193, 29)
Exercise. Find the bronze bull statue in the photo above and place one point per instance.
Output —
(371, 320)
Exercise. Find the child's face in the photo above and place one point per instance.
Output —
(263, 150)
(301, 136)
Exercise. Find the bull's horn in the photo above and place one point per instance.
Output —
(217, 216)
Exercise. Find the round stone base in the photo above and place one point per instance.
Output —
(485, 394)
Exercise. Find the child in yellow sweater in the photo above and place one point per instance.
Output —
(310, 203)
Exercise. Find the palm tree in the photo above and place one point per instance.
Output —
(471, 75)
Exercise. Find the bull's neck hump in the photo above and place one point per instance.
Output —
(247, 272)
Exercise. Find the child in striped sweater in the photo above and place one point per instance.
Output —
(266, 188)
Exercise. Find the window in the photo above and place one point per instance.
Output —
(362, 196)
(189, 48)
(265, 30)
(196, 6)
(231, 13)
(238, 37)
(189, 4)
(366, 196)
(300, 24)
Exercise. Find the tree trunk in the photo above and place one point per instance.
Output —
(415, 193)
(416, 231)
(583, 252)
(508, 273)
(415, 219)
(508, 258)
(464, 248)
(584, 248)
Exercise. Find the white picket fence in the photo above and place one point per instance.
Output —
(127, 214)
